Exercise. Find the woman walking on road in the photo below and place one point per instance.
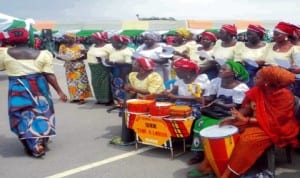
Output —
(30, 105)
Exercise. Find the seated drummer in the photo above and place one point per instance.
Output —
(188, 81)
(226, 91)
(189, 85)
(144, 83)
(261, 117)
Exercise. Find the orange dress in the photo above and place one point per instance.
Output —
(276, 125)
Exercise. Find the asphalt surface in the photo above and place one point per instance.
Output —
(82, 149)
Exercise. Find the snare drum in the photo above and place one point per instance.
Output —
(160, 109)
(180, 111)
(138, 105)
(218, 144)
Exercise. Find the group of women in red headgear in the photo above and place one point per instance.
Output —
(254, 82)
(231, 74)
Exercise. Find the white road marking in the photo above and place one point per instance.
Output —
(100, 163)
(285, 170)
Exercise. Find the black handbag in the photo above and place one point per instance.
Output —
(216, 111)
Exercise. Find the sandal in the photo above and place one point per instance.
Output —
(194, 173)
(119, 141)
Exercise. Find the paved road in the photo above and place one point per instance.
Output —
(81, 147)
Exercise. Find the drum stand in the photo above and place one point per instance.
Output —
(172, 149)
(127, 135)
(167, 145)
(179, 131)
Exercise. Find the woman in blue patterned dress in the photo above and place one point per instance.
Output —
(30, 105)
(120, 60)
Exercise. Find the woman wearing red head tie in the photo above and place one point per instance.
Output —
(187, 72)
(30, 105)
(120, 60)
(296, 67)
(143, 80)
(281, 48)
(189, 88)
(296, 36)
(99, 51)
(252, 52)
(208, 66)
(225, 48)
(208, 41)
(144, 83)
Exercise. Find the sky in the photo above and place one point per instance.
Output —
(93, 10)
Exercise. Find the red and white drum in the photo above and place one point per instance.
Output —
(160, 109)
(136, 107)
(218, 143)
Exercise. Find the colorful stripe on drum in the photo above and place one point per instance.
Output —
(217, 156)
(179, 128)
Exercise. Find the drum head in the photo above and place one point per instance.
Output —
(139, 101)
(216, 131)
(132, 101)
(163, 104)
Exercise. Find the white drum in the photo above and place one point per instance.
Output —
(218, 143)
(215, 131)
